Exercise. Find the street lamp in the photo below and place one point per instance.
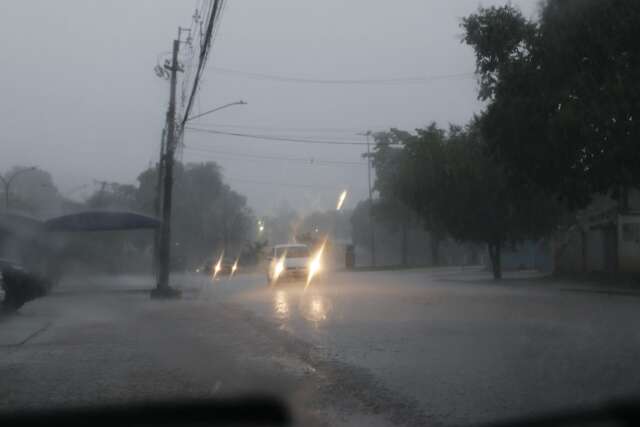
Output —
(7, 183)
(165, 173)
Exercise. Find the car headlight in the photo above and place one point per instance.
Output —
(279, 268)
(314, 266)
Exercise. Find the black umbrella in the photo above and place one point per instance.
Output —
(101, 221)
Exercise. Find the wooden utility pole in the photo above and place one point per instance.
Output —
(372, 229)
(164, 251)
(157, 203)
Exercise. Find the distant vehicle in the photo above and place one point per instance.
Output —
(208, 267)
(291, 261)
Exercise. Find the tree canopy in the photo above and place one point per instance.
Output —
(562, 94)
(448, 177)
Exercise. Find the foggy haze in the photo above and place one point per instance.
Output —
(81, 100)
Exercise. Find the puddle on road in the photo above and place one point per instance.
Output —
(287, 305)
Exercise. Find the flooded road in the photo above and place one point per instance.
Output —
(464, 348)
(415, 347)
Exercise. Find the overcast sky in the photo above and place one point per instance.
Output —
(79, 97)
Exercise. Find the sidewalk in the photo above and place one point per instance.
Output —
(618, 284)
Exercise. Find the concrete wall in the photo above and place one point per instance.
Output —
(568, 251)
(389, 249)
(629, 243)
(595, 250)
(601, 248)
(634, 200)
(529, 255)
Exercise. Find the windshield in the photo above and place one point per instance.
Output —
(420, 212)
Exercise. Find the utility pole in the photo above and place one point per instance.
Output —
(162, 288)
(372, 228)
(157, 203)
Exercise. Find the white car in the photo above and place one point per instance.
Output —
(291, 261)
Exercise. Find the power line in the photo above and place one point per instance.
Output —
(293, 79)
(290, 129)
(308, 160)
(276, 138)
(284, 184)
(205, 46)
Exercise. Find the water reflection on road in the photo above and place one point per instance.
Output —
(281, 305)
(291, 302)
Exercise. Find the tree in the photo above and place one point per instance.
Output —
(34, 192)
(208, 217)
(478, 203)
(390, 208)
(361, 224)
(114, 196)
(283, 226)
(562, 94)
(459, 189)
(329, 222)
(409, 171)
(395, 216)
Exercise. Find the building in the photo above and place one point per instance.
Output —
(605, 238)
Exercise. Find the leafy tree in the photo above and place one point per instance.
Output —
(562, 94)
(283, 226)
(390, 209)
(361, 224)
(114, 196)
(208, 215)
(478, 203)
(457, 188)
(409, 171)
(396, 217)
(33, 192)
(329, 222)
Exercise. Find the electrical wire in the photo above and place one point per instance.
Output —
(285, 184)
(275, 138)
(205, 45)
(308, 160)
(350, 131)
(292, 79)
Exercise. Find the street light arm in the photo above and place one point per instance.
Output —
(216, 109)
(11, 178)
(7, 183)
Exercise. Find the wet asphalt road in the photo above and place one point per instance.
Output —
(392, 347)
(463, 348)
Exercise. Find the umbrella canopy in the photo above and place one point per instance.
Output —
(101, 221)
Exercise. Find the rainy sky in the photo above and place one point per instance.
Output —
(81, 100)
